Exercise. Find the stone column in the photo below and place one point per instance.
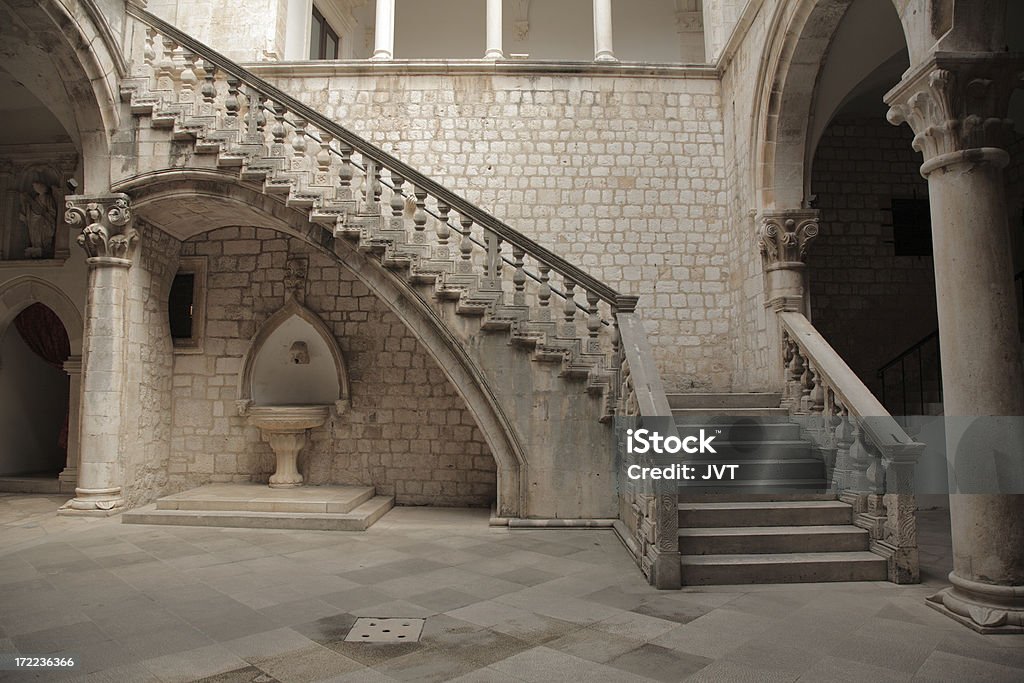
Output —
(109, 240)
(494, 30)
(956, 104)
(384, 31)
(783, 236)
(603, 51)
(73, 367)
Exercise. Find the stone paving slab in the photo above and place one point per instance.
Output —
(161, 604)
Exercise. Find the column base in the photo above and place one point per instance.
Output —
(68, 480)
(94, 503)
(982, 607)
(494, 55)
(382, 57)
(605, 57)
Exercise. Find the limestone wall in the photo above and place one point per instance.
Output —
(146, 407)
(407, 432)
(243, 30)
(623, 176)
(870, 304)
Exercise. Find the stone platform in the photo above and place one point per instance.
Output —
(257, 506)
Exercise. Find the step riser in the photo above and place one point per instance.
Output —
(707, 415)
(713, 575)
(755, 471)
(228, 505)
(775, 543)
(764, 517)
(737, 495)
(187, 518)
(759, 433)
(724, 400)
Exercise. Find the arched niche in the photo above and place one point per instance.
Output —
(23, 291)
(271, 377)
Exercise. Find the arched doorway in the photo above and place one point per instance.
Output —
(34, 387)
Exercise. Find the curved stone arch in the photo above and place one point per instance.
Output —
(248, 206)
(85, 53)
(18, 294)
(797, 42)
(292, 309)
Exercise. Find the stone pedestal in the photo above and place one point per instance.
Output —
(956, 105)
(69, 476)
(109, 240)
(603, 50)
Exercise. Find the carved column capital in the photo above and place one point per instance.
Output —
(784, 237)
(108, 234)
(956, 105)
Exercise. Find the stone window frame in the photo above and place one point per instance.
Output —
(197, 267)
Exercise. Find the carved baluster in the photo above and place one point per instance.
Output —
(376, 185)
(466, 245)
(261, 115)
(419, 216)
(369, 172)
(397, 201)
(188, 78)
(209, 89)
(149, 47)
(165, 69)
(518, 277)
(278, 130)
(323, 160)
(844, 439)
(493, 243)
(544, 293)
(593, 323)
(299, 145)
(569, 310)
(232, 103)
(817, 394)
(443, 230)
(345, 172)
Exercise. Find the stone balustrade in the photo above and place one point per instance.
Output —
(869, 459)
(357, 191)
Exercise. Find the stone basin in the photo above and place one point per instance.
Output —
(284, 427)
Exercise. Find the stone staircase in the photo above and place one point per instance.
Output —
(777, 522)
(256, 506)
(221, 117)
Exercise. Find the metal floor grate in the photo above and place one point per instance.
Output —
(372, 630)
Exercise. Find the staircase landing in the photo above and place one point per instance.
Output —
(257, 506)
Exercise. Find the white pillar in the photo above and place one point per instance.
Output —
(384, 36)
(603, 31)
(494, 30)
(73, 367)
(109, 240)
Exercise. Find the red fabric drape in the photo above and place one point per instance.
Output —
(44, 333)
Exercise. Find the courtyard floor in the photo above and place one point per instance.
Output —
(147, 603)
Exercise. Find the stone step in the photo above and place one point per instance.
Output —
(756, 514)
(772, 539)
(259, 498)
(693, 416)
(752, 450)
(359, 519)
(755, 493)
(760, 469)
(742, 431)
(736, 400)
(705, 570)
(770, 489)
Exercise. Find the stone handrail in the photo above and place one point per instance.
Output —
(869, 458)
(648, 511)
(349, 142)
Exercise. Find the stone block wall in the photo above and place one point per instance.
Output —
(622, 176)
(407, 432)
(146, 422)
(869, 303)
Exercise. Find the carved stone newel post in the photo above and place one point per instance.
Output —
(783, 237)
(109, 241)
(956, 105)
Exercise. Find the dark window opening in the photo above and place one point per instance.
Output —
(323, 41)
(181, 305)
(912, 227)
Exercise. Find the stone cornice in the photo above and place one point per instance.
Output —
(957, 103)
(108, 235)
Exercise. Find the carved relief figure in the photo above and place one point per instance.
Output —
(39, 217)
